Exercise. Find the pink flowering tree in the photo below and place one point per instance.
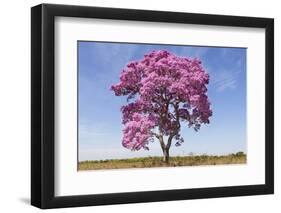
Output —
(164, 92)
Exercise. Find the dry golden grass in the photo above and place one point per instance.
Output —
(148, 162)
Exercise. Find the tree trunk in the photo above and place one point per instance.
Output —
(165, 148)
(166, 155)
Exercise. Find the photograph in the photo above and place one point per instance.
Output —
(146, 105)
(132, 105)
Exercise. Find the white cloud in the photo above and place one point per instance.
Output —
(224, 80)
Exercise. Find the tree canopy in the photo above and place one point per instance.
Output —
(165, 92)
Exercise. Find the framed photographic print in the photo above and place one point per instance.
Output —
(139, 106)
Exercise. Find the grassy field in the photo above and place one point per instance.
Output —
(147, 162)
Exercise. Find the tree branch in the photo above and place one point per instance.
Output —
(156, 135)
(176, 130)
(161, 140)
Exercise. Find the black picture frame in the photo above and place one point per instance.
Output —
(43, 102)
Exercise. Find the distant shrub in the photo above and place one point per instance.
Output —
(239, 154)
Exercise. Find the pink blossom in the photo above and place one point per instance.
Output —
(164, 91)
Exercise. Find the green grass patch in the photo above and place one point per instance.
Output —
(149, 162)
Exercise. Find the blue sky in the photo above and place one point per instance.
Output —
(100, 127)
